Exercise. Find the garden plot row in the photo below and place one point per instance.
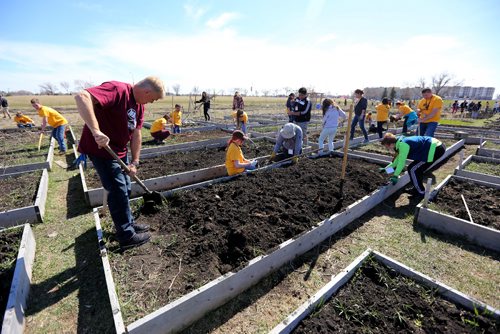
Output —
(377, 293)
(489, 149)
(169, 170)
(471, 129)
(17, 253)
(23, 197)
(19, 151)
(480, 168)
(216, 239)
(465, 208)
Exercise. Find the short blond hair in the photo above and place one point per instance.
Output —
(153, 83)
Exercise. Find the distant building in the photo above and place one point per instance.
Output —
(468, 92)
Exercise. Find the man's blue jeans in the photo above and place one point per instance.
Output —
(361, 120)
(428, 129)
(58, 134)
(117, 183)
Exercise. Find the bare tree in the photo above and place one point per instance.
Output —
(82, 84)
(196, 90)
(65, 85)
(244, 91)
(176, 89)
(421, 82)
(265, 92)
(47, 88)
(276, 92)
(439, 81)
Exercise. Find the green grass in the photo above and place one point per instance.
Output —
(492, 145)
(469, 122)
(484, 168)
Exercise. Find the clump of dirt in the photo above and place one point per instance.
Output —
(218, 229)
(188, 137)
(9, 246)
(378, 299)
(185, 161)
(483, 202)
(19, 190)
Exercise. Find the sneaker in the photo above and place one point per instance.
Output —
(140, 228)
(62, 152)
(136, 240)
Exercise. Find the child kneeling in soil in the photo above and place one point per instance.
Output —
(159, 130)
(240, 120)
(423, 150)
(331, 114)
(23, 121)
(235, 161)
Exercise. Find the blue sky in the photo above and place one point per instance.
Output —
(333, 46)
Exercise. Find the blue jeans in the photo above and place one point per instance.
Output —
(58, 134)
(428, 129)
(244, 128)
(117, 183)
(361, 121)
(177, 129)
(27, 125)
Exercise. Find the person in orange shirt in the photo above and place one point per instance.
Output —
(430, 107)
(23, 121)
(55, 120)
(382, 115)
(240, 120)
(235, 161)
(159, 130)
(176, 118)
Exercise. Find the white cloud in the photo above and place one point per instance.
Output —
(194, 12)
(221, 20)
(326, 38)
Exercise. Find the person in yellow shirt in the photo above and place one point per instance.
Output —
(235, 161)
(23, 121)
(429, 112)
(240, 120)
(407, 114)
(159, 130)
(382, 115)
(55, 120)
(177, 118)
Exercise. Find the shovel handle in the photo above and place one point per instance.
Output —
(40, 141)
(126, 169)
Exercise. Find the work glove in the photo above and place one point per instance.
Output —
(273, 156)
(295, 160)
(394, 179)
(381, 170)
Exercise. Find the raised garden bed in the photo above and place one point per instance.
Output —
(246, 224)
(378, 294)
(23, 197)
(17, 253)
(447, 213)
(377, 148)
(19, 151)
(176, 169)
(488, 149)
(480, 168)
(187, 137)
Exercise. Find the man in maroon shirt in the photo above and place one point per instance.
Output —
(113, 114)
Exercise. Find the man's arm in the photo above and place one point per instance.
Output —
(279, 143)
(431, 114)
(135, 145)
(298, 142)
(44, 123)
(85, 105)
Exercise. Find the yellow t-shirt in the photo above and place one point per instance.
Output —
(54, 118)
(382, 112)
(158, 125)
(234, 153)
(23, 119)
(243, 118)
(405, 110)
(176, 117)
(426, 107)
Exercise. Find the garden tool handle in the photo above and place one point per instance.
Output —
(126, 169)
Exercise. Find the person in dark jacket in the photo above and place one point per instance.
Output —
(423, 150)
(302, 113)
(290, 106)
(359, 114)
(4, 106)
(205, 99)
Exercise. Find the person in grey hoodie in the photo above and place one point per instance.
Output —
(331, 114)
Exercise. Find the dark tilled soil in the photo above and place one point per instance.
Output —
(185, 161)
(147, 141)
(22, 147)
(19, 191)
(218, 229)
(483, 202)
(9, 245)
(378, 300)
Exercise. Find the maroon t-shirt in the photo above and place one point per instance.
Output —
(118, 114)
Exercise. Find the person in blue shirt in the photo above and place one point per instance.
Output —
(423, 150)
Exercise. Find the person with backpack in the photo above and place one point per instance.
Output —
(331, 114)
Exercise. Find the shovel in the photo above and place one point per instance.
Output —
(151, 198)
(40, 141)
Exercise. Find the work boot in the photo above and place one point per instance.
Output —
(140, 228)
(136, 240)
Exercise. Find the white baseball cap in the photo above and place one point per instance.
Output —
(288, 131)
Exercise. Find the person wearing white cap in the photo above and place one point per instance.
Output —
(289, 142)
